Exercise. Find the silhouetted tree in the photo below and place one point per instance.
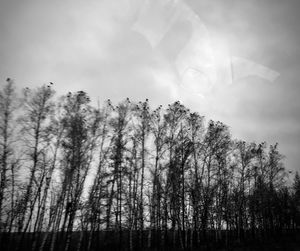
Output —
(88, 178)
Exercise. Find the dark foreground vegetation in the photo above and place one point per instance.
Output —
(110, 240)
(129, 177)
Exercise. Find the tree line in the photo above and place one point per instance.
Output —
(80, 177)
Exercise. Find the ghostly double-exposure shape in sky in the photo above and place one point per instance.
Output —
(242, 68)
(200, 63)
(156, 18)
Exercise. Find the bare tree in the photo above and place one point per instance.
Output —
(104, 176)
(7, 108)
(38, 107)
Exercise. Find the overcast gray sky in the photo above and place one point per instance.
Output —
(91, 45)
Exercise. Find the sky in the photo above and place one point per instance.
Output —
(93, 45)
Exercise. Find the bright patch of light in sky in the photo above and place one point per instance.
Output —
(201, 61)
